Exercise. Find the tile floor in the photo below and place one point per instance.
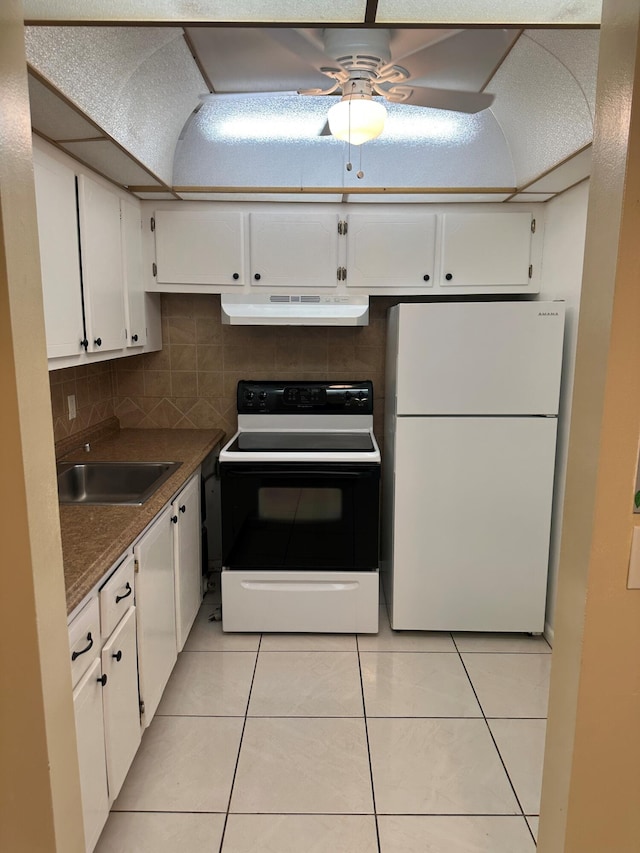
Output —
(400, 742)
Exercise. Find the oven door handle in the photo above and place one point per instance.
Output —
(300, 472)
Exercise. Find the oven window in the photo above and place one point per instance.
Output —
(302, 518)
(303, 505)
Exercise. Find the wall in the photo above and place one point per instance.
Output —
(566, 217)
(191, 382)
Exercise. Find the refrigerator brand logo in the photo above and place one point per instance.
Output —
(547, 313)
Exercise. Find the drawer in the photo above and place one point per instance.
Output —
(117, 595)
(84, 639)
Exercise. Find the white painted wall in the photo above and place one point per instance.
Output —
(565, 224)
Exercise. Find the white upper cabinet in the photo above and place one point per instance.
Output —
(102, 272)
(59, 255)
(199, 247)
(489, 250)
(392, 250)
(135, 315)
(294, 249)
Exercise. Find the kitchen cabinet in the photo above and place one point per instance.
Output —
(188, 557)
(120, 701)
(102, 269)
(135, 313)
(485, 250)
(87, 706)
(156, 622)
(203, 247)
(391, 250)
(294, 249)
(55, 185)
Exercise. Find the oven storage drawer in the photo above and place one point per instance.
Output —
(311, 517)
(317, 602)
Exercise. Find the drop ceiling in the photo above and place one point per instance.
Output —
(128, 101)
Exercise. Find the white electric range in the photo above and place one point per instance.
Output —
(300, 509)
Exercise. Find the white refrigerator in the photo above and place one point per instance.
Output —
(472, 392)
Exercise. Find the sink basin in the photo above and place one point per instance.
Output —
(111, 482)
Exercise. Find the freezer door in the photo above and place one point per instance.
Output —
(476, 358)
(471, 520)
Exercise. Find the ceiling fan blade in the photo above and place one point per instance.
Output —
(445, 99)
(302, 44)
(325, 130)
(464, 60)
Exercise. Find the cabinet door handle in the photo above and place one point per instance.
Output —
(426, 277)
(236, 276)
(118, 655)
(183, 508)
(174, 519)
(448, 276)
(134, 338)
(82, 651)
(102, 680)
(98, 342)
(257, 276)
(127, 593)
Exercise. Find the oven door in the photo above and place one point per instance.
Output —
(300, 516)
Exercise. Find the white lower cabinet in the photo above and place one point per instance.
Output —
(122, 730)
(188, 558)
(87, 705)
(156, 611)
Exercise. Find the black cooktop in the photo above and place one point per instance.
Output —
(302, 441)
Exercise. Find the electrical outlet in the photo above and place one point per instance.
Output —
(71, 403)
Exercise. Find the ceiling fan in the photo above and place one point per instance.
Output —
(364, 64)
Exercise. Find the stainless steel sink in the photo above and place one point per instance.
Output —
(111, 482)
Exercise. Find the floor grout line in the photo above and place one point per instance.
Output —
(366, 732)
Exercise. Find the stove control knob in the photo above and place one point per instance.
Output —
(249, 395)
(347, 395)
(262, 395)
(362, 396)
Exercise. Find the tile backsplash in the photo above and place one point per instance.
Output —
(191, 382)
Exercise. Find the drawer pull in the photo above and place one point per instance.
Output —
(183, 508)
(127, 586)
(102, 680)
(75, 655)
(118, 655)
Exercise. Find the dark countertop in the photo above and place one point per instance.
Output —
(94, 537)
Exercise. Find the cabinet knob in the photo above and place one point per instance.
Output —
(257, 276)
(448, 276)
(183, 508)
(98, 342)
(134, 338)
(174, 519)
(426, 277)
(236, 276)
(118, 655)
(102, 680)
(84, 343)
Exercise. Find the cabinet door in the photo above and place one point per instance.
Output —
(87, 704)
(59, 255)
(485, 249)
(188, 558)
(294, 250)
(155, 604)
(199, 247)
(131, 222)
(120, 701)
(102, 274)
(395, 250)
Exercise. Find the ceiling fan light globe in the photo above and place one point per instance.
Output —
(356, 119)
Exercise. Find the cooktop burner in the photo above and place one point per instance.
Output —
(297, 441)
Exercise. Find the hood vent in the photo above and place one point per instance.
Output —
(294, 310)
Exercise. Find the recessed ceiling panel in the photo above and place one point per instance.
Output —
(53, 117)
(259, 197)
(422, 198)
(578, 50)
(110, 161)
(294, 11)
(529, 197)
(154, 196)
(576, 12)
(567, 174)
(274, 141)
(541, 107)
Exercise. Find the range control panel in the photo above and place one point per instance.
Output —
(322, 398)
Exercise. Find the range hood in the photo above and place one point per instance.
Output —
(263, 309)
